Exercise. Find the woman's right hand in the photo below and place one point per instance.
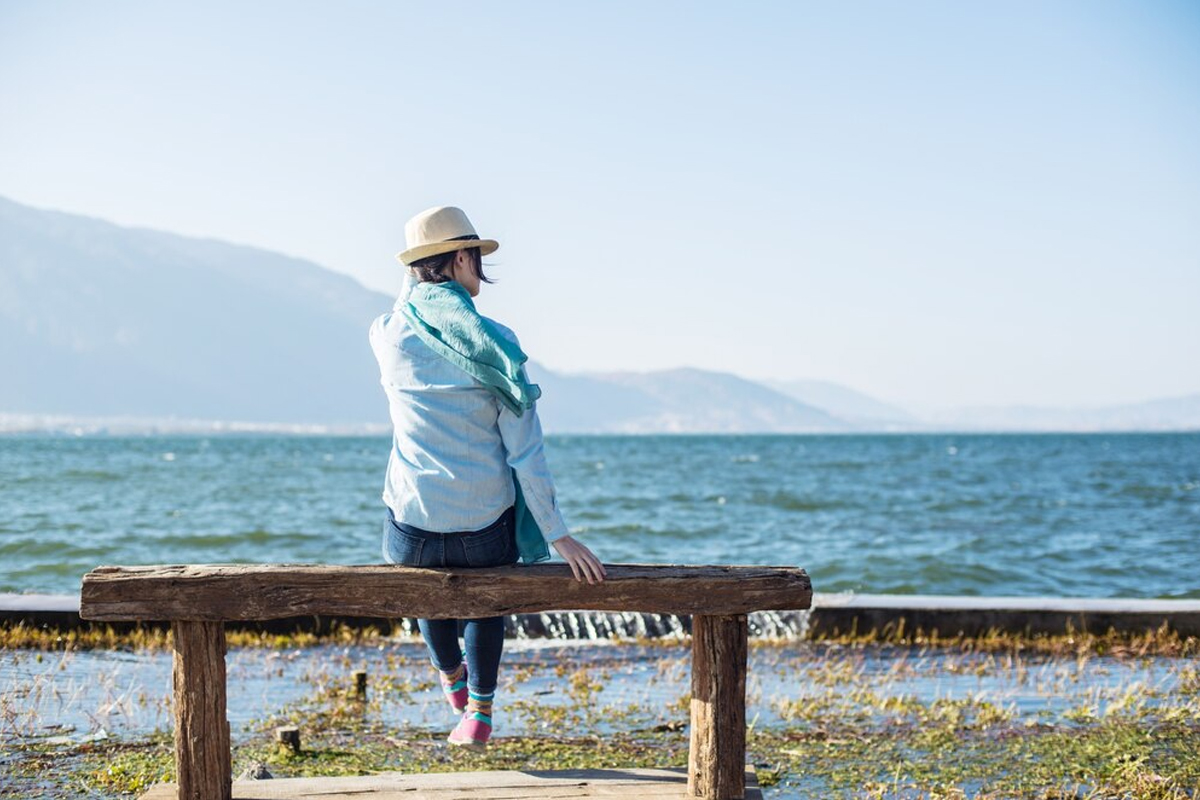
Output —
(583, 561)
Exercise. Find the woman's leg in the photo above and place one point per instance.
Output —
(412, 547)
(484, 640)
(441, 637)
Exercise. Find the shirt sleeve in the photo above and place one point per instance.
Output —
(522, 438)
(525, 453)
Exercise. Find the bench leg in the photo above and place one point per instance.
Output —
(717, 755)
(202, 756)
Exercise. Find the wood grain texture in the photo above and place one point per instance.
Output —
(202, 755)
(717, 754)
(497, 785)
(273, 591)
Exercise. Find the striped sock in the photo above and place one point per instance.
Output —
(479, 707)
(453, 677)
(454, 685)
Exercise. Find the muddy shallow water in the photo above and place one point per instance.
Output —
(627, 686)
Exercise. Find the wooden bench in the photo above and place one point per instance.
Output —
(198, 600)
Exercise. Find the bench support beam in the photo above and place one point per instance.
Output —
(202, 754)
(717, 755)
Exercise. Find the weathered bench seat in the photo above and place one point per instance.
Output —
(197, 600)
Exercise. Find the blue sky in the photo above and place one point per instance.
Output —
(934, 203)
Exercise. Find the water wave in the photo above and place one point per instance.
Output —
(257, 536)
(1092, 515)
(787, 501)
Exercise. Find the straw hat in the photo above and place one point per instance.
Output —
(442, 229)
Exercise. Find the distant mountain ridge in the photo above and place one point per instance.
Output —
(852, 406)
(684, 400)
(1164, 414)
(105, 327)
(120, 321)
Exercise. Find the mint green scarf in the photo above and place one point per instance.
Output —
(444, 317)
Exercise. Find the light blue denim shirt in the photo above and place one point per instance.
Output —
(453, 442)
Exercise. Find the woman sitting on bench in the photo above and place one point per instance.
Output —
(467, 482)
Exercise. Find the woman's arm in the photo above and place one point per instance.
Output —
(522, 438)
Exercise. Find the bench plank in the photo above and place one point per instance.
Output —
(227, 592)
(493, 785)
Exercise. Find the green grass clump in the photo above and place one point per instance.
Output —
(149, 638)
(959, 749)
(1162, 641)
(131, 770)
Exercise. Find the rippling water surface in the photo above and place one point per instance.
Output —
(1078, 515)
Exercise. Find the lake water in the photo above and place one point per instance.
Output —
(1104, 515)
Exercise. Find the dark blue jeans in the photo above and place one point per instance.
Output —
(483, 639)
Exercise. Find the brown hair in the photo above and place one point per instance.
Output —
(436, 269)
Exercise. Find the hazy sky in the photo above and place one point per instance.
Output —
(934, 203)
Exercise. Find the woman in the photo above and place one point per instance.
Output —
(467, 482)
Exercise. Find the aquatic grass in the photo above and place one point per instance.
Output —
(105, 769)
(1162, 641)
(29, 699)
(1189, 681)
(130, 770)
(1113, 758)
(333, 703)
(151, 638)
(580, 707)
(1109, 760)
(337, 755)
(22, 636)
(584, 686)
(843, 719)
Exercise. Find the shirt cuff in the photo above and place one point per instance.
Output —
(558, 528)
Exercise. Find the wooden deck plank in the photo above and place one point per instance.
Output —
(228, 592)
(493, 785)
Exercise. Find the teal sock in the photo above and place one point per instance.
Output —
(454, 680)
(479, 706)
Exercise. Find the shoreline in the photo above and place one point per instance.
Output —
(831, 615)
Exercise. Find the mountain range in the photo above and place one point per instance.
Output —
(116, 327)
